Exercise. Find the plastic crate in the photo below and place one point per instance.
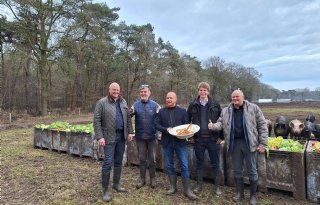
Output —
(60, 140)
(132, 153)
(312, 174)
(38, 135)
(46, 140)
(286, 171)
(81, 144)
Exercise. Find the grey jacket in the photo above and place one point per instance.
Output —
(257, 130)
(104, 122)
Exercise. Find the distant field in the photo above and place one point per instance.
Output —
(293, 110)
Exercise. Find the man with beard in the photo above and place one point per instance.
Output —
(145, 111)
(167, 118)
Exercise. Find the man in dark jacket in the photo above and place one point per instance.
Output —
(112, 127)
(145, 111)
(167, 118)
(202, 110)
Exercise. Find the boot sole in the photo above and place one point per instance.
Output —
(140, 186)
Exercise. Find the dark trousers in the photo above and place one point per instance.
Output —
(213, 149)
(146, 149)
(241, 152)
(113, 153)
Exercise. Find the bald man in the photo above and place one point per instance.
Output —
(246, 134)
(167, 118)
(112, 127)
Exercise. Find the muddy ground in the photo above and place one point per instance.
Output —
(39, 176)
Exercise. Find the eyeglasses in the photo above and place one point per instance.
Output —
(145, 86)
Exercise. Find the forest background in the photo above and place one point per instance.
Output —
(61, 55)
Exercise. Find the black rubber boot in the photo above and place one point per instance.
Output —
(116, 180)
(198, 188)
(217, 183)
(105, 184)
(240, 190)
(173, 184)
(187, 191)
(152, 172)
(253, 191)
(142, 179)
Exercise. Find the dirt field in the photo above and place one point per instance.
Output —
(36, 176)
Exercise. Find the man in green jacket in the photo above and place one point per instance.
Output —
(112, 127)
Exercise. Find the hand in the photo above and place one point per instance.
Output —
(131, 110)
(210, 125)
(169, 128)
(130, 137)
(102, 142)
(261, 149)
(218, 141)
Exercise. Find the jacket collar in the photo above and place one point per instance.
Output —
(245, 105)
(145, 101)
(197, 100)
(110, 99)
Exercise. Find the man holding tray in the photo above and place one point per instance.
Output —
(167, 118)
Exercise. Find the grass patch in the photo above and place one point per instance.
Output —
(35, 176)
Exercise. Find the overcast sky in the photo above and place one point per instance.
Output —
(279, 38)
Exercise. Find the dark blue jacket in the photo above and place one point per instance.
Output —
(214, 111)
(162, 123)
(145, 114)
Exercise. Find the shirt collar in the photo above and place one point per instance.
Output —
(203, 102)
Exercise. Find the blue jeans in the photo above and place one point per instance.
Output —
(209, 144)
(241, 152)
(113, 153)
(182, 155)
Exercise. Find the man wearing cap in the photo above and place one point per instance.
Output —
(112, 127)
(145, 111)
(167, 118)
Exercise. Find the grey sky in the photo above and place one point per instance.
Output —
(279, 38)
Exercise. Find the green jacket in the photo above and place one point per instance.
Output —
(104, 119)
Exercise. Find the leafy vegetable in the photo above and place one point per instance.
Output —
(65, 126)
(82, 128)
(41, 126)
(289, 145)
(60, 125)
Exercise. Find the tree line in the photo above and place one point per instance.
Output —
(62, 54)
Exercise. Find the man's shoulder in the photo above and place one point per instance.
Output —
(162, 110)
(228, 107)
(250, 104)
(152, 102)
(195, 102)
(180, 108)
(101, 100)
(137, 102)
(213, 101)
